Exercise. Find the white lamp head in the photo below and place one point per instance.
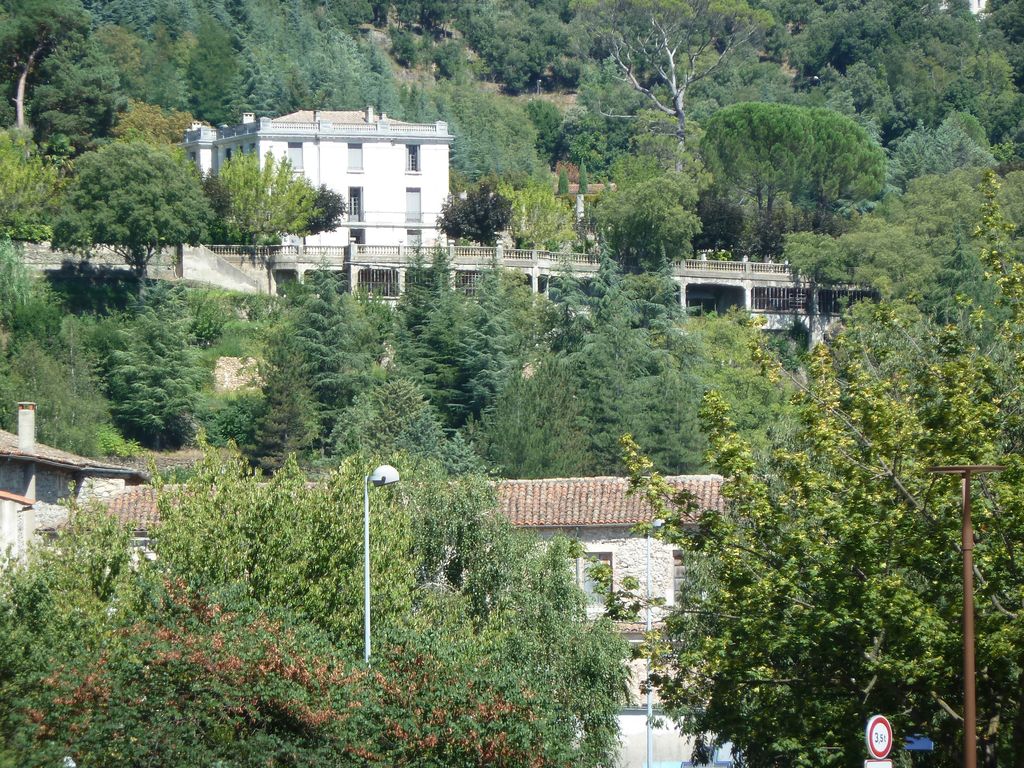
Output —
(385, 474)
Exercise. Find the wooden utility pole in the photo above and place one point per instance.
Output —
(965, 471)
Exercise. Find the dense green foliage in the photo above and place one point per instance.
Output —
(846, 138)
(827, 587)
(134, 198)
(241, 642)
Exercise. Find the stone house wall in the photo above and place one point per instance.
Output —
(52, 484)
(628, 559)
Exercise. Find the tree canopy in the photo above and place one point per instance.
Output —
(135, 199)
(826, 587)
(264, 199)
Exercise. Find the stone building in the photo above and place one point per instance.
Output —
(393, 174)
(599, 513)
(39, 477)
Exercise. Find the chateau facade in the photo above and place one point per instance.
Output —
(393, 175)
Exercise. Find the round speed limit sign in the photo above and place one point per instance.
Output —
(879, 736)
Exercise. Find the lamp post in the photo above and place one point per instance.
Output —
(965, 471)
(655, 524)
(385, 474)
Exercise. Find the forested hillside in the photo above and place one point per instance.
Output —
(847, 138)
(874, 146)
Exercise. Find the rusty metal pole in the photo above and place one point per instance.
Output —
(970, 711)
(967, 545)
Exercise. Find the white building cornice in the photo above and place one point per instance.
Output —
(379, 130)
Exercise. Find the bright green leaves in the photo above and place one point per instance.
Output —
(833, 586)
(265, 199)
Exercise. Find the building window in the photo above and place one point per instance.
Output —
(466, 281)
(252, 148)
(414, 237)
(192, 156)
(413, 210)
(357, 236)
(295, 155)
(679, 574)
(355, 203)
(355, 157)
(227, 153)
(586, 578)
(378, 282)
(412, 158)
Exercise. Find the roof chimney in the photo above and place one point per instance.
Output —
(248, 117)
(369, 114)
(27, 427)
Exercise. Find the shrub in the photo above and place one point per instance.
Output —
(112, 443)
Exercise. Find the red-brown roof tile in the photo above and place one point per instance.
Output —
(561, 502)
(592, 501)
(136, 507)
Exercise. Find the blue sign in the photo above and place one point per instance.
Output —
(918, 743)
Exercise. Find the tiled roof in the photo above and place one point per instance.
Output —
(592, 501)
(338, 117)
(9, 448)
(136, 507)
(563, 502)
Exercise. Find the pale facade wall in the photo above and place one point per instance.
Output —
(629, 553)
(629, 558)
(384, 177)
(17, 522)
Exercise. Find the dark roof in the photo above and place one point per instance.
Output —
(562, 502)
(592, 501)
(44, 453)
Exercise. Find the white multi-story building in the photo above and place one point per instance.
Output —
(393, 175)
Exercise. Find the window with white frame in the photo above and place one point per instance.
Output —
(413, 206)
(355, 203)
(355, 157)
(295, 156)
(412, 158)
(414, 237)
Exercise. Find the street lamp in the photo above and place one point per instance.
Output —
(385, 474)
(655, 524)
(967, 545)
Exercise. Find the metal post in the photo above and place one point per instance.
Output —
(967, 546)
(650, 702)
(366, 569)
(970, 714)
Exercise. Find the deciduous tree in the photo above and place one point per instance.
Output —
(478, 216)
(830, 585)
(28, 190)
(266, 200)
(134, 198)
(662, 48)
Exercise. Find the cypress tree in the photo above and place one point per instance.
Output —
(563, 182)
(288, 422)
